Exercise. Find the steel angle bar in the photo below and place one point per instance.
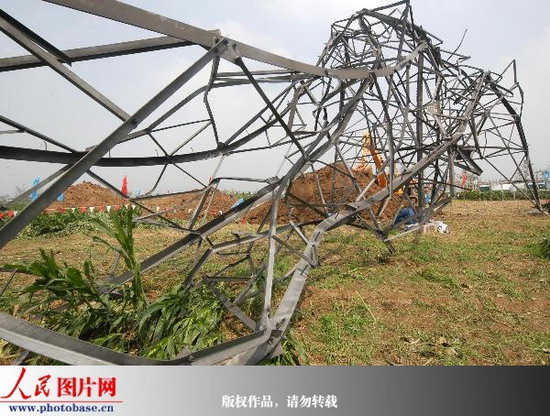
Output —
(97, 52)
(134, 16)
(290, 299)
(25, 195)
(286, 307)
(312, 261)
(199, 207)
(24, 129)
(5, 132)
(40, 185)
(230, 306)
(213, 189)
(8, 282)
(146, 197)
(220, 273)
(379, 72)
(319, 190)
(41, 136)
(188, 99)
(511, 181)
(496, 89)
(198, 234)
(134, 201)
(376, 224)
(265, 320)
(190, 138)
(271, 107)
(314, 208)
(226, 279)
(169, 159)
(213, 75)
(61, 347)
(93, 156)
(247, 239)
(156, 184)
(76, 352)
(124, 13)
(35, 38)
(46, 56)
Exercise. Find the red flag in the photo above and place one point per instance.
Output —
(124, 188)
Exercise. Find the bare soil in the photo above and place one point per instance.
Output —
(330, 185)
(87, 194)
(183, 206)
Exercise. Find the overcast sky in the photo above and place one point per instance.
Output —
(497, 32)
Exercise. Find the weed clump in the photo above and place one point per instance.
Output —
(67, 222)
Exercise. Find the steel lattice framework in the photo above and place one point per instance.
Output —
(424, 112)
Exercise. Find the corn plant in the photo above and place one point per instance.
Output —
(69, 300)
(180, 319)
(121, 229)
(64, 298)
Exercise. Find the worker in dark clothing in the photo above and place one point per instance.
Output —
(407, 214)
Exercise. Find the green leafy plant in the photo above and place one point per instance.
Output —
(180, 319)
(66, 222)
(120, 228)
(72, 301)
(66, 299)
(476, 195)
(241, 194)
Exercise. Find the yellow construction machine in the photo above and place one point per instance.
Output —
(369, 148)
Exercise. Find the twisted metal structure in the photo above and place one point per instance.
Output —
(385, 115)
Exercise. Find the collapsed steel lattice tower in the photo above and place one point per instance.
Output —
(380, 77)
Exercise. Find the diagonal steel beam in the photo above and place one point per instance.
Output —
(48, 58)
(11, 229)
(97, 52)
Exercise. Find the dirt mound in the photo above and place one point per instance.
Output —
(183, 206)
(310, 197)
(87, 194)
(330, 186)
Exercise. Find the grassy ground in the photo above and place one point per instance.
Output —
(476, 296)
